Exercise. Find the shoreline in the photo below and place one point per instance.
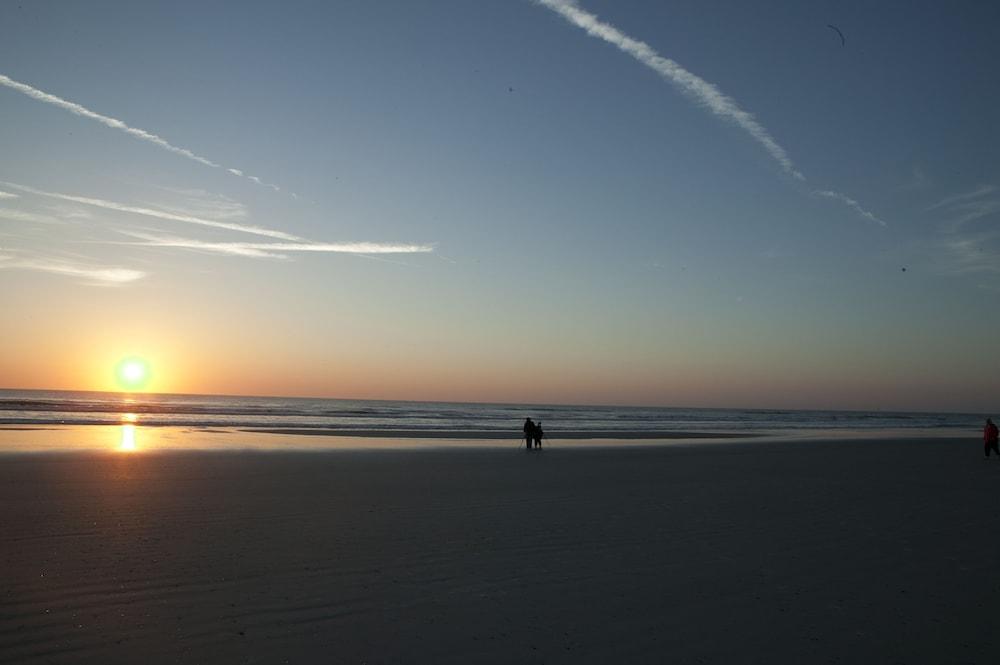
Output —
(136, 438)
(471, 435)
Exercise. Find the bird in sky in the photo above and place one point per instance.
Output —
(837, 30)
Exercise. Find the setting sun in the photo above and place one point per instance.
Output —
(132, 373)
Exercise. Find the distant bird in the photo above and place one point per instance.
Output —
(510, 89)
(904, 269)
(837, 30)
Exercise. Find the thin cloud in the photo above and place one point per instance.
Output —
(976, 193)
(114, 123)
(29, 217)
(272, 250)
(918, 179)
(969, 211)
(8, 195)
(968, 207)
(969, 248)
(203, 204)
(69, 212)
(159, 214)
(851, 203)
(100, 275)
(974, 254)
(705, 93)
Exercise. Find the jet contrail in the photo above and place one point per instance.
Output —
(690, 84)
(105, 275)
(159, 214)
(851, 203)
(269, 250)
(260, 250)
(114, 123)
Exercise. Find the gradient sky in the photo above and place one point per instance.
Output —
(562, 222)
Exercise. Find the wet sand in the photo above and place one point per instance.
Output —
(749, 552)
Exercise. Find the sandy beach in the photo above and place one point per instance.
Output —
(751, 552)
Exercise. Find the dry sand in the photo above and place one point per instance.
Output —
(753, 552)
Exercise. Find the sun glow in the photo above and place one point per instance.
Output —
(132, 374)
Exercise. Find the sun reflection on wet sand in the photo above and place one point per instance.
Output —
(127, 443)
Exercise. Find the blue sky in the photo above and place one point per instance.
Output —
(577, 228)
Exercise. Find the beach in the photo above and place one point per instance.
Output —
(852, 550)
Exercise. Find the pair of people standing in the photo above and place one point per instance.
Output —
(990, 436)
(533, 433)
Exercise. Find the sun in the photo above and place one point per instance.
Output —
(132, 374)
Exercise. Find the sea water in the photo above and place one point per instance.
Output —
(36, 408)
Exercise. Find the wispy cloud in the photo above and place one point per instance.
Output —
(917, 179)
(704, 93)
(274, 250)
(969, 248)
(114, 123)
(976, 253)
(29, 217)
(159, 214)
(71, 212)
(200, 203)
(976, 193)
(970, 211)
(851, 203)
(966, 207)
(106, 275)
(8, 195)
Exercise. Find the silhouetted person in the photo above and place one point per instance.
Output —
(990, 435)
(539, 434)
(529, 432)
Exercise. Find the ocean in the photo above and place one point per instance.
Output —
(440, 419)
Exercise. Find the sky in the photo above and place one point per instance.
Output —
(650, 203)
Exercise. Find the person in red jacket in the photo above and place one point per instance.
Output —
(990, 435)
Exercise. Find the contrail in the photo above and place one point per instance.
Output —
(690, 84)
(270, 250)
(104, 275)
(114, 123)
(260, 250)
(704, 93)
(851, 203)
(159, 214)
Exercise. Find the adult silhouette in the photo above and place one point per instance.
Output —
(529, 432)
(990, 435)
